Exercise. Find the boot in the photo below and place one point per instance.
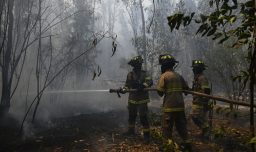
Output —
(146, 137)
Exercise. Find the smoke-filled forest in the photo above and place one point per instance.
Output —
(127, 75)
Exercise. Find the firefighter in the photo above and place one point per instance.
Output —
(170, 85)
(200, 105)
(137, 101)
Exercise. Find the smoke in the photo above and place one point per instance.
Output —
(109, 16)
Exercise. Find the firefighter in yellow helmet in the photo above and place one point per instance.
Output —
(170, 85)
(137, 101)
(200, 105)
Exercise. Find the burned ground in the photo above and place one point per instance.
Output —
(103, 132)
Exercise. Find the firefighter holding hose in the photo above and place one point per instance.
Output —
(200, 105)
(171, 86)
(138, 100)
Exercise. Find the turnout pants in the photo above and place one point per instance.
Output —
(142, 110)
(178, 119)
(199, 117)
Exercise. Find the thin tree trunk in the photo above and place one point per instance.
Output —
(6, 84)
(144, 51)
(1, 13)
(93, 16)
(252, 83)
(152, 56)
(38, 61)
(252, 72)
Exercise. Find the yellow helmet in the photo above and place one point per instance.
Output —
(167, 59)
(198, 64)
(136, 61)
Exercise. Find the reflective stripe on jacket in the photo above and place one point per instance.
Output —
(139, 101)
(172, 84)
(173, 109)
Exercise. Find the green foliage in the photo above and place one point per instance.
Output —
(219, 132)
(167, 145)
(217, 21)
(222, 131)
(156, 134)
(252, 140)
(227, 112)
(228, 20)
(171, 146)
(176, 20)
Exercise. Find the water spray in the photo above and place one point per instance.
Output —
(118, 91)
(75, 91)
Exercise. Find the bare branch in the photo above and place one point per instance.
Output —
(67, 17)
(56, 75)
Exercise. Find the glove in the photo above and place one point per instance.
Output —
(123, 90)
(188, 89)
(207, 91)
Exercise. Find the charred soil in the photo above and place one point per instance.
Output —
(103, 132)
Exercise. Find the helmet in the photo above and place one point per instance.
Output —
(198, 64)
(167, 59)
(137, 60)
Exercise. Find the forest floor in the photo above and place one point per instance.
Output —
(103, 132)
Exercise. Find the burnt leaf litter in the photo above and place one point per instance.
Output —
(103, 132)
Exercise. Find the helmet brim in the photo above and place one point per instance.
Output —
(193, 66)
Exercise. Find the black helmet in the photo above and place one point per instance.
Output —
(137, 60)
(167, 59)
(198, 64)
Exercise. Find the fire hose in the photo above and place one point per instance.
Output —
(217, 98)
